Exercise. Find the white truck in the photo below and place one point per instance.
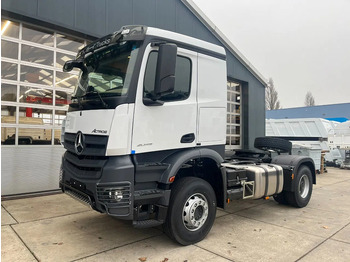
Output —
(145, 136)
(340, 140)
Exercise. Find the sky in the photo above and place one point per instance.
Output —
(302, 45)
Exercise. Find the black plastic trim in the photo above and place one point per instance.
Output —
(94, 145)
(144, 175)
(300, 138)
(116, 171)
(177, 160)
(292, 163)
(188, 138)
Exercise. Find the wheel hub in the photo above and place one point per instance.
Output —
(304, 185)
(195, 212)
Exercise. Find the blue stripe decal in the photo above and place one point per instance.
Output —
(338, 119)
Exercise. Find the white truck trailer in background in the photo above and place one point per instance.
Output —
(309, 136)
(340, 140)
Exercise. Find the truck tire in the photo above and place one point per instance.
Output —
(281, 198)
(303, 190)
(191, 211)
(273, 143)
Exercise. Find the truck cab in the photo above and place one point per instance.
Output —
(146, 130)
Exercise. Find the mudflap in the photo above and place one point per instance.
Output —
(291, 165)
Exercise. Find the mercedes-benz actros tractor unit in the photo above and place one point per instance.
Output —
(145, 136)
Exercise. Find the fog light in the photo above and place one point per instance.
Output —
(116, 195)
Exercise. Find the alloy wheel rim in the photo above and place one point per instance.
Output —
(195, 212)
(304, 185)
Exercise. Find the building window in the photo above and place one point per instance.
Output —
(35, 92)
(233, 130)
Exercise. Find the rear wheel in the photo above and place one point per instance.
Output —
(191, 212)
(281, 198)
(303, 190)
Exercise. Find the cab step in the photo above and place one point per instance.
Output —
(147, 223)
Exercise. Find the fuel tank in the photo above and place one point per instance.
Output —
(268, 178)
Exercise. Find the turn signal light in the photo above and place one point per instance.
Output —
(171, 179)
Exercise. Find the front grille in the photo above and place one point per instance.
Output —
(89, 167)
(94, 145)
(60, 177)
(106, 194)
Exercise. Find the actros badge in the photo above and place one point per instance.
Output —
(97, 131)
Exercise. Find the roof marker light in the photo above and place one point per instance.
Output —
(125, 31)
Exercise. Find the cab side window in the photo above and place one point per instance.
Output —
(182, 78)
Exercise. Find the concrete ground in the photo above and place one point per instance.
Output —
(58, 228)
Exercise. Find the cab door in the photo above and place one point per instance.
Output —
(173, 124)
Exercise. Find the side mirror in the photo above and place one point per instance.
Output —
(69, 65)
(165, 71)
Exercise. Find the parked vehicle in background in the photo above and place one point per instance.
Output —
(340, 140)
(310, 137)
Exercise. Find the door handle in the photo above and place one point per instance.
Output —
(188, 138)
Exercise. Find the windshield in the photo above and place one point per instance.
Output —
(108, 71)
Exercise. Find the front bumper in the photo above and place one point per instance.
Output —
(106, 184)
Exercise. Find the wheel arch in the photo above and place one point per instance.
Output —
(294, 163)
(311, 166)
(203, 163)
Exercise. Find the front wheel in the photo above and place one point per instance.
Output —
(303, 190)
(191, 212)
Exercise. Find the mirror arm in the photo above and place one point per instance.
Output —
(151, 102)
(153, 44)
(84, 69)
(77, 64)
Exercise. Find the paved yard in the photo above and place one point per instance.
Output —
(58, 228)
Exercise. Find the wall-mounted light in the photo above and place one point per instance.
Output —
(5, 27)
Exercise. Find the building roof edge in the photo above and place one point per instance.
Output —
(223, 39)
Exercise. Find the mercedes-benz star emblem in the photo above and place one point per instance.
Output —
(79, 143)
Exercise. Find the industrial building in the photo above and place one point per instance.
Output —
(39, 36)
(334, 112)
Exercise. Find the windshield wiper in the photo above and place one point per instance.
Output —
(91, 92)
(114, 88)
(80, 105)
